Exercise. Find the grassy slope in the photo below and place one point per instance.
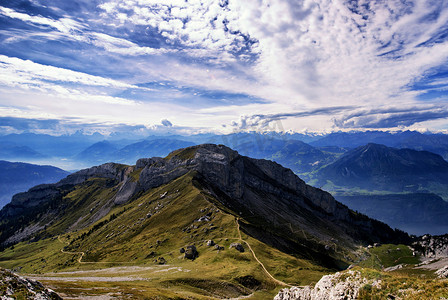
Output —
(149, 227)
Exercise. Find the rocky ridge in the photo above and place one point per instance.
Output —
(277, 206)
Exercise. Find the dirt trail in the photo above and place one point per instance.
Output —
(256, 258)
(89, 262)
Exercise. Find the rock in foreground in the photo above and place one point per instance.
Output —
(332, 287)
(13, 286)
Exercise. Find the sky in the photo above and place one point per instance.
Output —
(225, 66)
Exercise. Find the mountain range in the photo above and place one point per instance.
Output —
(377, 167)
(225, 225)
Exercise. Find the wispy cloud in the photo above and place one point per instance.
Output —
(391, 117)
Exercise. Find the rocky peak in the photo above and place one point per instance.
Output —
(109, 170)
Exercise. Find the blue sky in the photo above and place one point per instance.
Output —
(223, 66)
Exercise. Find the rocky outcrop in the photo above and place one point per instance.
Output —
(443, 272)
(432, 246)
(13, 286)
(340, 286)
(109, 170)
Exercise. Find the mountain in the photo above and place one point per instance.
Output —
(296, 155)
(355, 139)
(57, 146)
(377, 167)
(18, 177)
(106, 151)
(416, 213)
(436, 143)
(97, 153)
(148, 148)
(164, 197)
(11, 151)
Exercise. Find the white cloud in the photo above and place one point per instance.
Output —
(17, 71)
(70, 29)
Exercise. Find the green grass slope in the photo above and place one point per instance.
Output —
(149, 229)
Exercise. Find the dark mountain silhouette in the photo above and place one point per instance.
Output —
(19, 177)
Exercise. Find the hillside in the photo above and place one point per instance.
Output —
(19, 177)
(143, 214)
(377, 167)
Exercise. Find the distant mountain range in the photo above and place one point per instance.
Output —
(346, 164)
(282, 147)
(437, 143)
(19, 177)
(105, 151)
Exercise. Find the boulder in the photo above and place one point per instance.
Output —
(210, 243)
(218, 247)
(191, 252)
(161, 260)
(237, 246)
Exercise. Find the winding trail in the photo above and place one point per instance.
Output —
(89, 262)
(73, 253)
(256, 258)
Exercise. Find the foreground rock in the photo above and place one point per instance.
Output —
(340, 286)
(443, 272)
(13, 286)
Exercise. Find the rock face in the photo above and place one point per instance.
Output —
(13, 286)
(443, 272)
(432, 246)
(340, 286)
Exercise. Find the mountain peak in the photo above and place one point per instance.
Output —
(274, 205)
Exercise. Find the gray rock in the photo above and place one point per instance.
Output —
(443, 272)
(191, 252)
(237, 246)
(218, 247)
(18, 287)
(210, 243)
(330, 287)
